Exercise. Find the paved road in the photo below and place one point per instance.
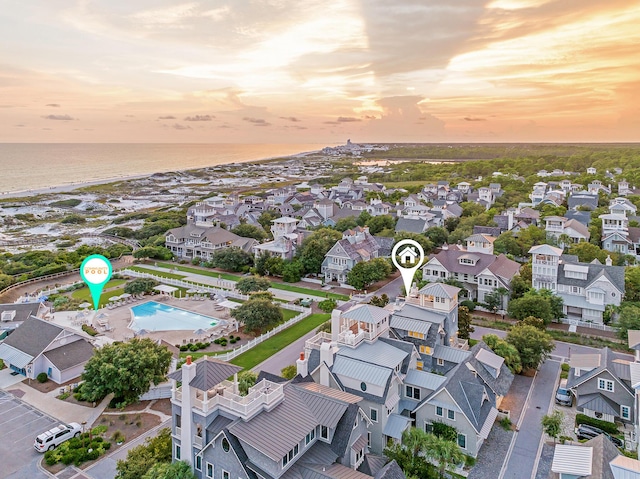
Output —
(20, 424)
(284, 357)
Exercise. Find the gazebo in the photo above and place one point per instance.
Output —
(166, 290)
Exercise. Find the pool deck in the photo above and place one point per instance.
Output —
(120, 317)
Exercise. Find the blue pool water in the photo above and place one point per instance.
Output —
(154, 316)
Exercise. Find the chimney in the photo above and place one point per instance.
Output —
(335, 324)
(302, 365)
(186, 436)
(608, 261)
(326, 356)
(510, 219)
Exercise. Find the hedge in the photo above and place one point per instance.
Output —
(606, 426)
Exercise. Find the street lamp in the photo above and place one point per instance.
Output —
(83, 423)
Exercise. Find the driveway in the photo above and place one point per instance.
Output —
(20, 424)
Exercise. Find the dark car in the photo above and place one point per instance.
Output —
(564, 397)
(589, 432)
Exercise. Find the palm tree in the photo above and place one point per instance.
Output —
(415, 440)
(502, 291)
(564, 240)
(445, 453)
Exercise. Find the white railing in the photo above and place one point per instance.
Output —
(316, 341)
(586, 324)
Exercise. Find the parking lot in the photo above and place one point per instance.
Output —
(20, 424)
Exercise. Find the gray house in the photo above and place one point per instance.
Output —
(355, 246)
(602, 386)
(278, 430)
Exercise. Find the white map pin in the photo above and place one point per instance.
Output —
(411, 256)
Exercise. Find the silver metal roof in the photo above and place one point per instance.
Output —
(634, 339)
(392, 400)
(366, 313)
(327, 411)
(424, 379)
(365, 372)
(395, 426)
(573, 460)
(584, 361)
(490, 359)
(440, 290)
(452, 355)
(378, 353)
(488, 423)
(13, 356)
(634, 369)
(408, 324)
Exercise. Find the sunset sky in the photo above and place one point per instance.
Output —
(319, 71)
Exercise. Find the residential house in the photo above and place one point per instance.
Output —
(191, 241)
(12, 315)
(355, 246)
(278, 430)
(597, 458)
(602, 386)
(286, 238)
(480, 272)
(582, 200)
(591, 170)
(585, 288)
(38, 346)
(559, 226)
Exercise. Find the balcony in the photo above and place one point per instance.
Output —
(263, 395)
(316, 341)
(198, 441)
(351, 338)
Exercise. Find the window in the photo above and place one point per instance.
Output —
(415, 334)
(428, 427)
(324, 432)
(605, 385)
(413, 392)
(363, 386)
(425, 349)
(199, 463)
(225, 474)
(440, 362)
(177, 452)
(178, 421)
(287, 457)
(310, 437)
(368, 439)
(438, 411)
(355, 423)
(373, 414)
(462, 441)
(225, 444)
(419, 365)
(625, 412)
(451, 414)
(209, 469)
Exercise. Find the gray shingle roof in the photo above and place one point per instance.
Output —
(421, 314)
(615, 274)
(22, 311)
(70, 355)
(411, 225)
(33, 336)
(390, 471)
(606, 363)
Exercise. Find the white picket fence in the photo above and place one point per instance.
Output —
(586, 324)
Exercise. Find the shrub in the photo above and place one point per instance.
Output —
(469, 304)
(42, 377)
(117, 437)
(1, 364)
(505, 423)
(232, 341)
(565, 367)
(469, 461)
(90, 330)
(64, 396)
(445, 431)
(94, 454)
(327, 305)
(184, 347)
(606, 426)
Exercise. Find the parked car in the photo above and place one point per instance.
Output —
(584, 431)
(564, 396)
(54, 437)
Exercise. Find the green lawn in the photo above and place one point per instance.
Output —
(140, 269)
(274, 285)
(268, 348)
(199, 354)
(85, 295)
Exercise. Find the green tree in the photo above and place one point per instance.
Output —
(504, 350)
(422, 240)
(347, 223)
(327, 305)
(231, 259)
(175, 470)
(539, 304)
(250, 231)
(313, 249)
(155, 450)
(250, 284)
(380, 301)
(587, 252)
(632, 283)
(437, 235)
(266, 218)
(289, 372)
(552, 424)
(258, 315)
(381, 222)
(493, 301)
(125, 369)
(535, 322)
(464, 323)
(629, 318)
(533, 345)
(292, 271)
(519, 286)
(506, 243)
(365, 273)
(246, 379)
(156, 252)
(363, 218)
(267, 265)
(445, 453)
(140, 285)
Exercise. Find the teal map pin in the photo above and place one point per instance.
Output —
(96, 271)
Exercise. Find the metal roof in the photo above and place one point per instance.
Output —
(366, 313)
(413, 311)
(574, 460)
(330, 392)
(408, 324)
(13, 356)
(488, 423)
(452, 355)
(490, 359)
(634, 369)
(395, 426)
(634, 339)
(378, 353)
(424, 379)
(359, 444)
(584, 361)
(209, 373)
(365, 372)
(392, 400)
(326, 411)
(598, 403)
(440, 290)
(623, 463)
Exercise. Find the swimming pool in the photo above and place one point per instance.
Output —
(154, 316)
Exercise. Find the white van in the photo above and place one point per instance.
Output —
(54, 437)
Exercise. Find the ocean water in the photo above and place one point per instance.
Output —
(35, 166)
